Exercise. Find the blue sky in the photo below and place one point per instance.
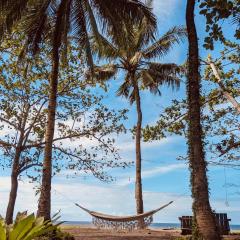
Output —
(164, 177)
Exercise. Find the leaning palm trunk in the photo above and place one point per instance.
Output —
(44, 206)
(205, 220)
(138, 187)
(224, 90)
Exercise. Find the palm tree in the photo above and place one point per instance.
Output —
(57, 20)
(133, 53)
(205, 220)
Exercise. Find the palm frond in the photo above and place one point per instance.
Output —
(80, 29)
(141, 36)
(125, 88)
(165, 43)
(104, 48)
(159, 74)
(132, 97)
(236, 19)
(149, 83)
(115, 14)
(34, 23)
(66, 30)
(102, 73)
(11, 12)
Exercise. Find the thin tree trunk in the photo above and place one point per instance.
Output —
(225, 92)
(15, 171)
(205, 220)
(13, 191)
(138, 185)
(44, 205)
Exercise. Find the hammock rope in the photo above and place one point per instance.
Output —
(126, 223)
(122, 218)
(129, 223)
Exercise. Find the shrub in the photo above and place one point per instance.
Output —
(25, 228)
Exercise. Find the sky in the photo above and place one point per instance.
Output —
(164, 177)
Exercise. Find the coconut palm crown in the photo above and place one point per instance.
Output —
(134, 53)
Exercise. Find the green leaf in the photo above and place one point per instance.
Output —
(2, 231)
(22, 226)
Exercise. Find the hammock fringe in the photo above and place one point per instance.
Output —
(127, 223)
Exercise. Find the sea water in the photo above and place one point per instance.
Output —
(153, 225)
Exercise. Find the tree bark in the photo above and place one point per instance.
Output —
(12, 197)
(205, 220)
(44, 205)
(15, 172)
(138, 184)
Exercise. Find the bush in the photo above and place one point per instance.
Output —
(56, 235)
(183, 238)
(30, 227)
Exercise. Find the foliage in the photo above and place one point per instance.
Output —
(25, 228)
(216, 12)
(133, 54)
(58, 20)
(220, 119)
(81, 115)
(183, 238)
(56, 235)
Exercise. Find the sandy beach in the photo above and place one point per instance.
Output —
(91, 233)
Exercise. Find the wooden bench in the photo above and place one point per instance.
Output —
(221, 218)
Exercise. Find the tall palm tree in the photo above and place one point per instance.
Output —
(56, 20)
(205, 220)
(133, 53)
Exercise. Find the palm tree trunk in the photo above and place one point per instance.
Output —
(138, 184)
(44, 205)
(205, 220)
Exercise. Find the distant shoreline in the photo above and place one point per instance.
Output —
(153, 225)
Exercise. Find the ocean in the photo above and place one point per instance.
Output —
(153, 225)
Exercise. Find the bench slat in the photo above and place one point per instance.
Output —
(221, 218)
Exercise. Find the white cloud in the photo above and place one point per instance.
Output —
(164, 9)
(108, 199)
(26, 196)
(150, 173)
(129, 145)
(115, 200)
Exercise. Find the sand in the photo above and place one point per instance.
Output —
(91, 233)
(83, 233)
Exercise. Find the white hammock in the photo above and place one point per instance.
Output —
(129, 223)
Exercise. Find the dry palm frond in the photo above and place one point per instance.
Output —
(165, 43)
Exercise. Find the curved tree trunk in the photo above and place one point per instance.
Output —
(138, 184)
(12, 197)
(205, 220)
(44, 205)
(15, 173)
